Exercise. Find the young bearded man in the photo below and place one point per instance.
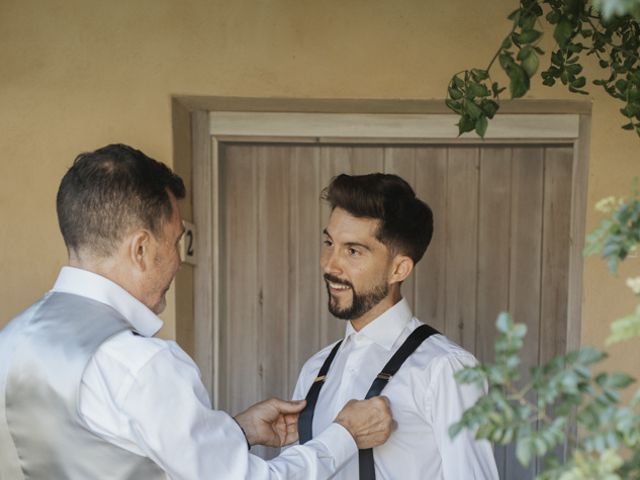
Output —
(377, 232)
(87, 393)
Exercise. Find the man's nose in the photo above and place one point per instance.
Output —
(330, 263)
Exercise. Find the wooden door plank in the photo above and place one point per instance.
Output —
(430, 274)
(555, 252)
(333, 161)
(273, 253)
(239, 291)
(461, 245)
(526, 247)
(493, 256)
(305, 278)
(366, 159)
(273, 235)
(401, 161)
(493, 245)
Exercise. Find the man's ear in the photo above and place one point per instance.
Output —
(402, 266)
(139, 249)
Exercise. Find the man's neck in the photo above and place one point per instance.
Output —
(385, 304)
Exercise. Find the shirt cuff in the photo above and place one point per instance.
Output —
(339, 443)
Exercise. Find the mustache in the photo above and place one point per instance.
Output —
(330, 278)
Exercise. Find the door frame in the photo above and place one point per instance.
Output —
(215, 120)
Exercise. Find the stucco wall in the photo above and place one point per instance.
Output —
(76, 75)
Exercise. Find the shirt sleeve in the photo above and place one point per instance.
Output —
(168, 417)
(463, 457)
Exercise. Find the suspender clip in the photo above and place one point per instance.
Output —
(384, 376)
(320, 378)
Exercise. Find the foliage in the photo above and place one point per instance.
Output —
(606, 29)
(617, 236)
(567, 386)
(540, 415)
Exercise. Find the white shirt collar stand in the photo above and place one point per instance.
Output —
(96, 287)
(385, 329)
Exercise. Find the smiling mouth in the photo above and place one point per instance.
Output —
(338, 286)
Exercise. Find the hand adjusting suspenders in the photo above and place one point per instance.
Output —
(365, 457)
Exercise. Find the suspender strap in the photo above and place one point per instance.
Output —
(413, 341)
(305, 420)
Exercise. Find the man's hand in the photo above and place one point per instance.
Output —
(369, 421)
(273, 422)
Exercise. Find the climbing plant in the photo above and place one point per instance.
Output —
(605, 29)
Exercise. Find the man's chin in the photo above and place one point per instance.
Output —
(160, 306)
(341, 313)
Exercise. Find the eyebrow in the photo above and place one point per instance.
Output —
(349, 244)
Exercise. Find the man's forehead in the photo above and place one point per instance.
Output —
(342, 223)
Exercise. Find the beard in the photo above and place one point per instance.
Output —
(361, 303)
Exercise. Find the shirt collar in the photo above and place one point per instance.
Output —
(385, 329)
(96, 287)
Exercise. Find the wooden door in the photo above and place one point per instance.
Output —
(501, 242)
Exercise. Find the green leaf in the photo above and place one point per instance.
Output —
(455, 94)
(620, 380)
(473, 110)
(496, 89)
(529, 36)
(524, 451)
(465, 124)
(479, 75)
(489, 107)
(506, 43)
(553, 17)
(575, 68)
(504, 322)
(515, 15)
(481, 126)
(453, 105)
(562, 32)
(519, 84)
(579, 82)
(530, 64)
(479, 90)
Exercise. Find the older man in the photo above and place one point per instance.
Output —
(85, 392)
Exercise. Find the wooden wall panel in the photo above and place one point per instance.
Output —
(461, 243)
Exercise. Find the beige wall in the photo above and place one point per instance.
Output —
(76, 75)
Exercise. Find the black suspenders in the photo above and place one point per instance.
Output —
(306, 416)
(413, 341)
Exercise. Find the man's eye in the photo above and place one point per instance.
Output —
(353, 252)
(327, 242)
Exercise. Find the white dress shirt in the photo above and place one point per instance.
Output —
(145, 395)
(425, 400)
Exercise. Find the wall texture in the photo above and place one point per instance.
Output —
(78, 74)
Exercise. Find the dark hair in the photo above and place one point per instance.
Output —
(406, 222)
(110, 191)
